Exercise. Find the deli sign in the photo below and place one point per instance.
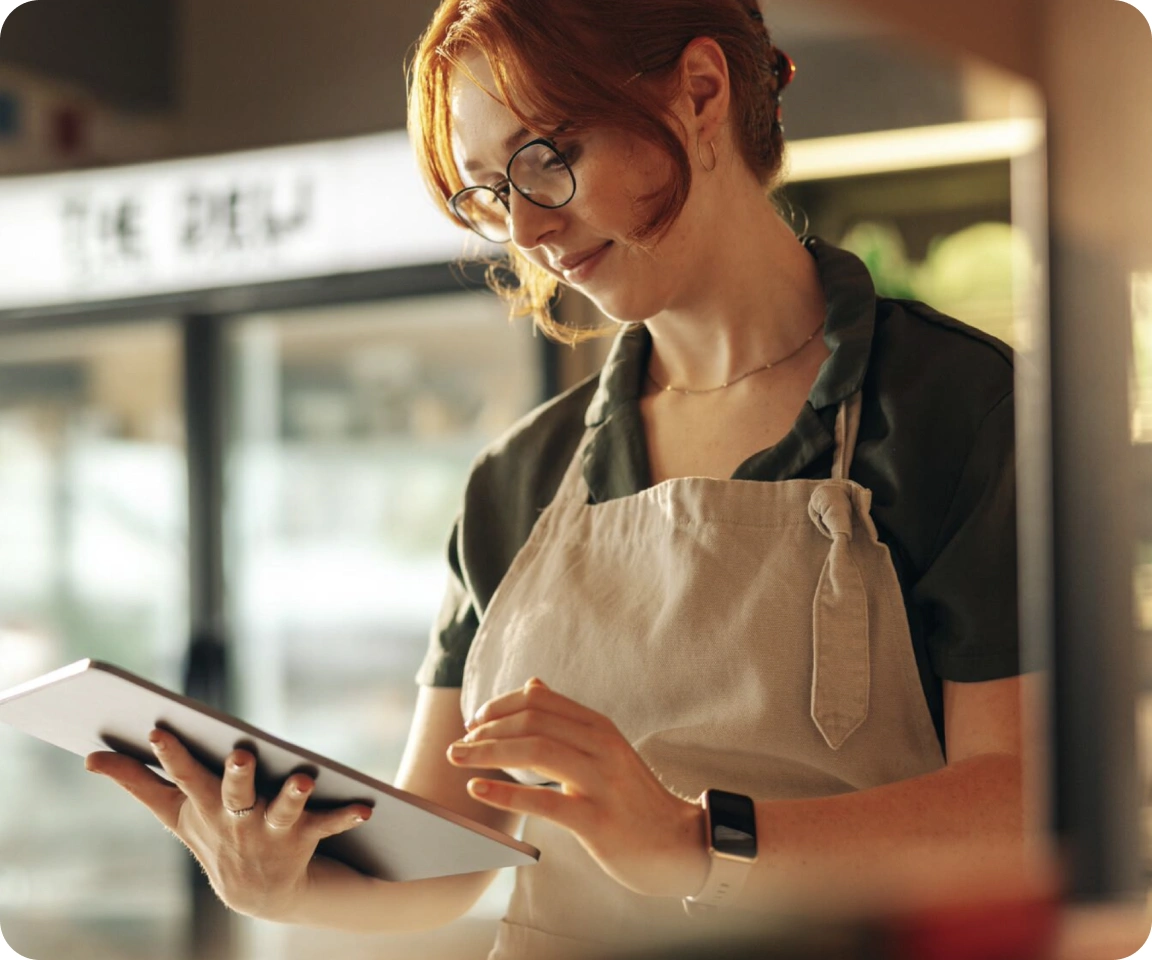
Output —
(288, 213)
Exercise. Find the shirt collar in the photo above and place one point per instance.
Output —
(848, 327)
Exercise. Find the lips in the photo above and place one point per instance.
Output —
(573, 260)
(578, 267)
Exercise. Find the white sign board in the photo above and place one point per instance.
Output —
(285, 213)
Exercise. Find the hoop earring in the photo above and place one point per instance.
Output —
(700, 156)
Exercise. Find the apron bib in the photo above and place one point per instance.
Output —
(748, 636)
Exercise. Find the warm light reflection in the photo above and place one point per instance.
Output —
(916, 148)
(1141, 381)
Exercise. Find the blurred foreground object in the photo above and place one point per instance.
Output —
(1027, 928)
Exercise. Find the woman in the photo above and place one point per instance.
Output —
(766, 557)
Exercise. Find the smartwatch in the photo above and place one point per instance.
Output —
(730, 820)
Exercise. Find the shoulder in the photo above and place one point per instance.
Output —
(937, 425)
(939, 379)
(533, 443)
(516, 476)
(941, 355)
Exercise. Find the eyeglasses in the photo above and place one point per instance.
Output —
(537, 171)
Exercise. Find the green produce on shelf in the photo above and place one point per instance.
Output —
(970, 274)
(881, 247)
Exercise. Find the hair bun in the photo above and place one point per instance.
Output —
(784, 70)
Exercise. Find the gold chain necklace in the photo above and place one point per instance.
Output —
(768, 366)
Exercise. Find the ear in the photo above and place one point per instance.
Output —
(706, 91)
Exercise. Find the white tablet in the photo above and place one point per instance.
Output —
(90, 706)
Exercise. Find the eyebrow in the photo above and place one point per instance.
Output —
(473, 165)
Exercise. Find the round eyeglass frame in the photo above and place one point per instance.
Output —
(506, 182)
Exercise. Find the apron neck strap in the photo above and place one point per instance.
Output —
(847, 426)
(572, 487)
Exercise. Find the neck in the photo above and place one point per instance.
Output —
(757, 298)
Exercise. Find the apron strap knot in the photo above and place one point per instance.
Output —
(840, 667)
(830, 508)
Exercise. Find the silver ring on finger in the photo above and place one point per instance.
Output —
(241, 813)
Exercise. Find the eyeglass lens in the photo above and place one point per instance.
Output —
(537, 172)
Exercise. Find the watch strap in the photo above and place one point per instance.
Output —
(726, 876)
(727, 869)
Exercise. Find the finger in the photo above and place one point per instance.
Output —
(200, 785)
(156, 793)
(574, 770)
(331, 822)
(238, 786)
(284, 812)
(540, 723)
(565, 810)
(536, 694)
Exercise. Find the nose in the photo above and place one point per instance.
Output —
(529, 223)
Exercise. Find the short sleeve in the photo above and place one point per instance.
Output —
(968, 593)
(454, 627)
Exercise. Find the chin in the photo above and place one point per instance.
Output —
(625, 308)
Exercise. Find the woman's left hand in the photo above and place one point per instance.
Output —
(640, 833)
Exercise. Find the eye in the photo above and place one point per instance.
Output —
(570, 153)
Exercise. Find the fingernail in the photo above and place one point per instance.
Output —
(155, 737)
(478, 786)
(459, 748)
(157, 745)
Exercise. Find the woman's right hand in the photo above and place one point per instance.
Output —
(258, 862)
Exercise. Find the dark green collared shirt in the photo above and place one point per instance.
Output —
(935, 447)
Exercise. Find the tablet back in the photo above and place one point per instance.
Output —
(90, 706)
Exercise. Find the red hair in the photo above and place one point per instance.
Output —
(588, 64)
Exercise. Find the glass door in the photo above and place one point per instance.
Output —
(93, 507)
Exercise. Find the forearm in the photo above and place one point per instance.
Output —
(896, 845)
(340, 898)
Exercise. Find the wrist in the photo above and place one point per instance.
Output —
(296, 903)
(696, 861)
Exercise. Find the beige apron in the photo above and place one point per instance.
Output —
(744, 635)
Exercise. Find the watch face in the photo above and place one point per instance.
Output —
(732, 819)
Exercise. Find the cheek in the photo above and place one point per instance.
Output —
(645, 184)
(604, 203)
(623, 193)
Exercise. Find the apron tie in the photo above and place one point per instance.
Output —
(840, 669)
